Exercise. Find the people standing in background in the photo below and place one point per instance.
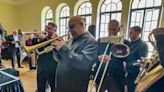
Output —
(46, 65)
(92, 30)
(2, 39)
(14, 48)
(138, 49)
(31, 57)
(1, 35)
(20, 33)
(75, 58)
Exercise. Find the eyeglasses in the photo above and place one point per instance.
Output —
(71, 27)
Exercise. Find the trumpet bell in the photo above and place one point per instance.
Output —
(120, 50)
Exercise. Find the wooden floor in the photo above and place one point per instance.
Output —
(27, 77)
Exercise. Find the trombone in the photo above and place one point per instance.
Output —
(118, 50)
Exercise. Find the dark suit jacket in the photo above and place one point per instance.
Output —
(9, 39)
(115, 67)
(138, 49)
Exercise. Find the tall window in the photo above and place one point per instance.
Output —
(110, 9)
(48, 16)
(146, 14)
(85, 10)
(64, 17)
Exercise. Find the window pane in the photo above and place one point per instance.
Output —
(155, 14)
(64, 17)
(147, 17)
(111, 9)
(157, 2)
(48, 17)
(145, 3)
(85, 10)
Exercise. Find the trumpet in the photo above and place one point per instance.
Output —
(33, 32)
(29, 49)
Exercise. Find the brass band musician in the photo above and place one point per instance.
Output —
(159, 38)
(138, 49)
(46, 65)
(114, 78)
(76, 58)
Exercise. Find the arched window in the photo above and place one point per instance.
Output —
(110, 9)
(146, 14)
(85, 10)
(48, 16)
(64, 17)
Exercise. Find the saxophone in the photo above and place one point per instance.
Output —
(151, 71)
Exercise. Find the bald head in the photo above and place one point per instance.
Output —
(76, 26)
(15, 32)
(77, 19)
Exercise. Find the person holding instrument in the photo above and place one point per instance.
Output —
(46, 65)
(159, 38)
(14, 48)
(114, 76)
(138, 49)
(76, 58)
(2, 39)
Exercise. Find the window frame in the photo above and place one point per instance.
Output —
(86, 15)
(48, 19)
(65, 18)
(144, 9)
(110, 14)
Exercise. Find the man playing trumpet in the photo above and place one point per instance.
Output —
(76, 58)
(46, 65)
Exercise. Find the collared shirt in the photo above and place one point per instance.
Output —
(16, 39)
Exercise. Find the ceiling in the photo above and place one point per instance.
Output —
(17, 2)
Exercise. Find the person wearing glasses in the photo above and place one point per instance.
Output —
(115, 74)
(46, 65)
(76, 58)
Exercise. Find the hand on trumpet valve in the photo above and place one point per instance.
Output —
(106, 58)
(58, 44)
(41, 36)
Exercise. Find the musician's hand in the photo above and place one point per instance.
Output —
(13, 42)
(58, 44)
(54, 35)
(140, 62)
(106, 58)
(41, 36)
